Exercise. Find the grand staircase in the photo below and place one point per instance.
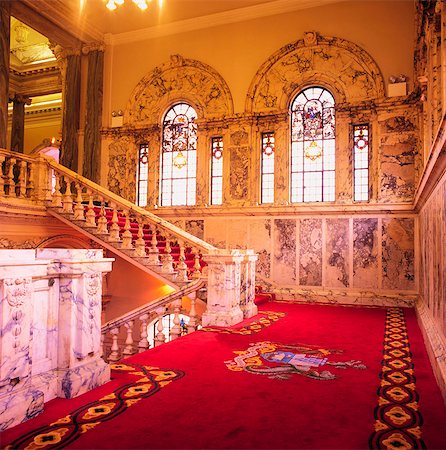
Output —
(145, 240)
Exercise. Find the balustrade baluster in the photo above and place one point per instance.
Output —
(2, 177)
(67, 199)
(79, 211)
(102, 349)
(175, 331)
(193, 320)
(127, 235)
(114, 227)
(167, 257)
(181, 266)
(160, 338)
(129, 350)
(140, 244)
(21, 185)
(9, 183)
(153, 257)
(56, 200)
(102, 220)
(197, 266)
(114, 354)
(29, 179)
(90, 215)
(143, 344)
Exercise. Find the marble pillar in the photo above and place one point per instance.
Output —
(70, 65)
(92, 138)
(223, 298)
(18, 122)
(5, 19)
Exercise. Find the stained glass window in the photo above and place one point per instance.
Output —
(217, 171)
(143, 175)
(361, 162)
(267, 169)
(179, 156)
(313, 146)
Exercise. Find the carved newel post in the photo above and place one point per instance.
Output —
(247, 284)
(223, 296)
(79, 364)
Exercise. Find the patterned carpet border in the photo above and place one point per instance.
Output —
(67, 429)
(253, 327)
(397, 418)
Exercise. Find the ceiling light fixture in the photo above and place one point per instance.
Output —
(141, 4)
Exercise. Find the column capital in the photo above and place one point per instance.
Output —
(20, 98)
(93, 47)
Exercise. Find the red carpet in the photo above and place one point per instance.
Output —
(289, 380)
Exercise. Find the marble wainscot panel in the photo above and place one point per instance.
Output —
(365, 253)
(237, 233)
(215, 231)
(260, 241)
(50, 304)
(398, 270)
(284, 269)
(195, 227)
(310, 252)
(337, 256)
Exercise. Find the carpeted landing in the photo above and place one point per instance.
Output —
(292, 377)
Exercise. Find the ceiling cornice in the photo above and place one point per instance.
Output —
(213, 20)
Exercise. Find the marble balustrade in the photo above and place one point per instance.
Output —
(50, 303)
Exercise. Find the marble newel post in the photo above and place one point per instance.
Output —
(247, 284)
(223, 296)
(18, 122)
(80, 366)
(5, 19)
(92, 139)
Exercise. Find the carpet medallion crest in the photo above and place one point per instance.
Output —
(397, 418)
(283, 360)
(149, 380)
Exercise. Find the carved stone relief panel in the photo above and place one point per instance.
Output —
(345, 67)
(398, 154)
(239, 175)
(122, 166)
(178, 79)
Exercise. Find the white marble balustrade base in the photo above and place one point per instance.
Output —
(222, 318)
(249, 310)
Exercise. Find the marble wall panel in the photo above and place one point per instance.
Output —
(260, 242)
(398, 256)
(239, 176)
(237, 233)
(284, 270)
(215, 231)
(310, 252)
(365, 253)
(337, 253)
(195, 227)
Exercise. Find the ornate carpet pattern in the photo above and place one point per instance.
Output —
(398, 420)
(67, 429)
(254, 327)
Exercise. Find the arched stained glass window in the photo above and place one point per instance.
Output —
(313, 146)
(179, 156)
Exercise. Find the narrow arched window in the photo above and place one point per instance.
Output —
(143, 175)
(179, 156)
(313, 146)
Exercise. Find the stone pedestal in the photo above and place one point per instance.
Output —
(223, 297)
(50, 310)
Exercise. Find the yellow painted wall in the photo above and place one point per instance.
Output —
(385, 29)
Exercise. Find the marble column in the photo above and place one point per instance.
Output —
(70, 65)
(18, 122)
(5, 18)
(223, 296)
(92, 139)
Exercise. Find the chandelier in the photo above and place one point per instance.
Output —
(113, 4)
